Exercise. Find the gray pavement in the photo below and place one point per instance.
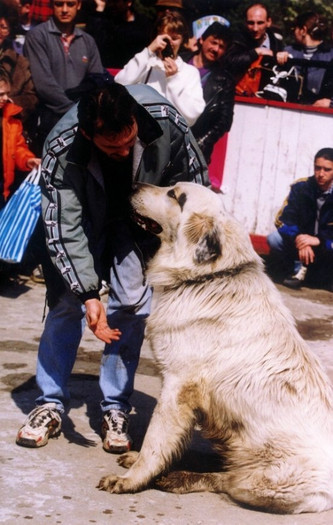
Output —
(56, 484)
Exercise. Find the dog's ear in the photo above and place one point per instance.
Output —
(202, 232)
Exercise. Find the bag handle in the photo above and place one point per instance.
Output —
(34, 175)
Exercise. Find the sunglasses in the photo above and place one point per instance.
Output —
(70, 3)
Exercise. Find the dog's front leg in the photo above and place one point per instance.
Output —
(167, 434)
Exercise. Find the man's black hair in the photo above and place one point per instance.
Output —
(325, 153)
(218, 31)
(108, 108)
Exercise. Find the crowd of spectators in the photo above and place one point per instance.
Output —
(124, 39)
(50, 48)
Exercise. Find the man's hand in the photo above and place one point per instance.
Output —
(33, 163)
(303, 240)
(304, 243)
(282, 57)
(322, 103)
(97, 322)
(261, 51)
(100, 5)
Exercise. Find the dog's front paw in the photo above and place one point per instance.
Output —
(171, 482)
(126, 460)
(113, 484)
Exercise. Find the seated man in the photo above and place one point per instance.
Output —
(303, 242)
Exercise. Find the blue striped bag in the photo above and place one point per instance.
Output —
(19, 217)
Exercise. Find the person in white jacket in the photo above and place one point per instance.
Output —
(160, 67)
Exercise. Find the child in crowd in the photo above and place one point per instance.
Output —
(16, 155)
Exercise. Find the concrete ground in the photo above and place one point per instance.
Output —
(56, 484)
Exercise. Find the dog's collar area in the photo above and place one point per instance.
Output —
(215, 275)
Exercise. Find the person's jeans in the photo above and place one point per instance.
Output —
(127, 308)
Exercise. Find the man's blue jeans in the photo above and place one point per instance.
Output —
(127, 308)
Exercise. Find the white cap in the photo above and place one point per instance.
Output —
(199, 26)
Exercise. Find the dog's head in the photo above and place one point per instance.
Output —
(195, 231)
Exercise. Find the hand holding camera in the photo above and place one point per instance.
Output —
(167, 51)
(161, 46)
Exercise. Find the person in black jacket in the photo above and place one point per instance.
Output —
(218, 88)
(303, 241)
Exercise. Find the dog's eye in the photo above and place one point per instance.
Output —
(171, 194)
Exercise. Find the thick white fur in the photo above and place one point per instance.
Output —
(232, 360)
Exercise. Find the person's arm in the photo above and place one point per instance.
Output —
(325, 99)
(238, 58)
(136, 70)
(67, 241)
(287, 219)
(24, 158)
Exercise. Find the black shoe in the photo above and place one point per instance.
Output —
(296, 281)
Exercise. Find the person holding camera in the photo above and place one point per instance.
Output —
(160, 66)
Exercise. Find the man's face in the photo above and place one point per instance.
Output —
(212, 48)
(117, 146)
(4, 30)
(323, 171)
(65, 11)
(257, 23)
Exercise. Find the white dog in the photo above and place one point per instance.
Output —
(232, 361)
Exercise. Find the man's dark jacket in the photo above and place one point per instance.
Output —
(298, 213)
(216, 119)
(74, 202)
(241, 54)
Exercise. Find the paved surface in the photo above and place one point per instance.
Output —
(56, 484)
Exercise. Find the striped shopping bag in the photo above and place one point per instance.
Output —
(19, 217)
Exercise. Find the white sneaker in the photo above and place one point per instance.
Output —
(42, 423)
(115, 432)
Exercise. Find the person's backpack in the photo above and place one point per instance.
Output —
(284, 86)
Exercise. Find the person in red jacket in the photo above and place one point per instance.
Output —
(16, 156)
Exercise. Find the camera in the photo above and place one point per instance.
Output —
(167, 51)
